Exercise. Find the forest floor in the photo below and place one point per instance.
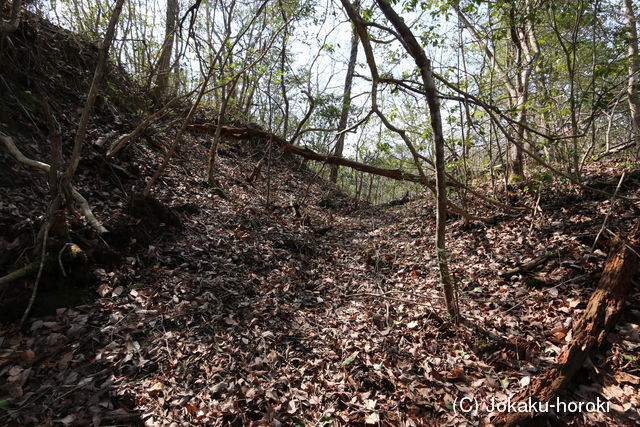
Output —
(216, 308)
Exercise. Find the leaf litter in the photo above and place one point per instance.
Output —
(229, 311)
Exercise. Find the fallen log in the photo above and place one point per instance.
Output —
(617, 149)
(529, 266)
(70, 254)
(25, 271)
(399, 202)
(589, 333)
(245, 133)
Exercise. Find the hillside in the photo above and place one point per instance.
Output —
(274, 298)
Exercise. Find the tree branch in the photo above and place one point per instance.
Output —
(82, 202)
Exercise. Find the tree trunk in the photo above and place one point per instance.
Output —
(523, 41)
(633, 68)
(424, 64)
(346, 102)
(283, 72)
(177, 139)
(10, 25)
(96, 83)
(516, 157)
(164, 63)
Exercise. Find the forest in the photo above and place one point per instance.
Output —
(319, 212)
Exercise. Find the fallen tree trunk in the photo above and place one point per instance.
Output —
(529, 266)
(25, 271)
(399, 202)
(242, 133)
(615, 150)
(70, 254)
(589, 333)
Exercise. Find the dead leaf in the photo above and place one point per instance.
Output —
(627, 378)
(104, 290)
(156, 389)
(372, 418)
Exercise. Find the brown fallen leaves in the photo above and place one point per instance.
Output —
(241, 316)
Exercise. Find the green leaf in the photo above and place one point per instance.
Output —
(347, 361)
(412, 324)
(505, 383)
(298, 421)
(448, 404)
(325, 421)
(350, 359)
(5, 402)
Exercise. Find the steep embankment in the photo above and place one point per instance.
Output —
(213, 307)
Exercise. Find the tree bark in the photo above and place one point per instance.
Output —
(164, 62)
(10, 25)
(346, 103)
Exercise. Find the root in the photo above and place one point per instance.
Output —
(80, 200)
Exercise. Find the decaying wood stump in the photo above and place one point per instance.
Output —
(590, 332)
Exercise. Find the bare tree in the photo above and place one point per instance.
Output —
(523, 40)
(226, 45)
(226, 89)
(569, 48)
(414, 49)
(164, 62)
(411, 45)
(346, 101)
(633, 68)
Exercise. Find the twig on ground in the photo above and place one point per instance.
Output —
(384, 295)
(37, 282)
(606, 218)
